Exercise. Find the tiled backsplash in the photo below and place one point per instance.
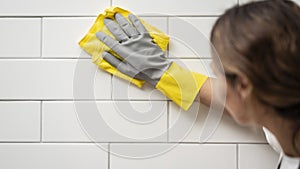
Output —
(40, 126)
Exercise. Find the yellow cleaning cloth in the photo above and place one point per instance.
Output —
(94, 47)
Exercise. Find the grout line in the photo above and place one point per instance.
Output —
(140, 15)
(108, 156)
(168, 33)
(76, 58)
(45, 16)
(111, 87)
(124, 142)
(168, 122)
(34, 57)
(19, 142)
(41, 121)
(81, 100)
(41, 38)
(110, 2)
(168, 25)
(190, 58)
(237, 156)
(43, 58)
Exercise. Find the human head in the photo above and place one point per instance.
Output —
(259, 47)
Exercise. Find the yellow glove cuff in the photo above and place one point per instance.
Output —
(181, 85)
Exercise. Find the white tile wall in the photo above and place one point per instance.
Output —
(186, 126)
(158, 22)
(61, 121)
(190, 156)
(61, 36)
(124, 90)
(49, 156)
(19, 121)
(41, 127)
(190, 36)
(52, 7)
(20, 37)
(52, 79)
(257, 156)
(171, 7)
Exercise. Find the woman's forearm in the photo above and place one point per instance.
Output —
(205, 94)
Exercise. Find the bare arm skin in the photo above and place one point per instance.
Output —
(205, 94)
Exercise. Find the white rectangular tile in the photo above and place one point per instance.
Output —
(159, 22)
(49, 156)
(60, 123)
(20, 37)
(61, 36)
(105, 121)
(124, 90)
(190, 36)
(19, 121)
(52, 7)
(186, 126)
(257, 156)
(189, 156)
(53, 79)
(187, 7)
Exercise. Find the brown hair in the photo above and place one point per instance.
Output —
(262, 40)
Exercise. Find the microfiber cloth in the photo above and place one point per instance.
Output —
(94, 47)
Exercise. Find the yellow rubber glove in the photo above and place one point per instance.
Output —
(181, 85)
(135, 54)
(95, 48)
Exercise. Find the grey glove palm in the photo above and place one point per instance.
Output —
(142, 58)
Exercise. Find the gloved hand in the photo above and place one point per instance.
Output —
(142, 58)
(139, 57)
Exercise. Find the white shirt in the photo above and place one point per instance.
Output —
(285, 161)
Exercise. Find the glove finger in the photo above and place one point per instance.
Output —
(125, 25)
(107, 40)
(138, 24)
(115, 29)
(121, 66)
(115, 62)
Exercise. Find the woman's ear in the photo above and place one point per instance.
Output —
(243, 86)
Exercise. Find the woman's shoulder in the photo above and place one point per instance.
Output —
(286, 162)
(272, 140)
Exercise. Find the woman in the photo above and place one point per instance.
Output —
(259, 47)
